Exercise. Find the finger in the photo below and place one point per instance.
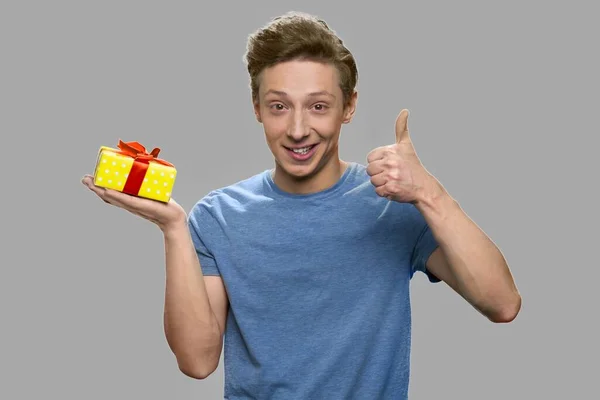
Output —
(112, 197)
(376, 167)
(99, 191)
(382, 191)
(380, 179)
(402, 127)
(141, 207)
(376, 154)
(87, 180)
(105, 195)
(109, 196)
(89, 183)
(136, 205)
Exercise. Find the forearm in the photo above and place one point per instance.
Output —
(479, 269)
(191, 327)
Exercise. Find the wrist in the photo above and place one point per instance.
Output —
(435, 202)
(175, 227)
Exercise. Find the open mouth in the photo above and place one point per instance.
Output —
(303, 153)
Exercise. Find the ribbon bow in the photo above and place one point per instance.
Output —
(139, 153)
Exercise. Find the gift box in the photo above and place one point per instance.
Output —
(130, 169)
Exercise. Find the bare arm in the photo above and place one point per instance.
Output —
(195, 307)
(468, 261)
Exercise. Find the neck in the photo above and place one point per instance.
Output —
(322, 179)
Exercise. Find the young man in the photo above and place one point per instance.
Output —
(304, 270)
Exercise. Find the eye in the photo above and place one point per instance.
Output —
(277, 106)
(320, 107)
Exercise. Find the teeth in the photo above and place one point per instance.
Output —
(303, 150)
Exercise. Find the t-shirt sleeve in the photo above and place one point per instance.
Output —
(425, 244)
(200, 222)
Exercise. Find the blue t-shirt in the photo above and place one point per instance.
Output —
(318, 287)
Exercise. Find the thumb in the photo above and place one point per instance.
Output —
(402, 127)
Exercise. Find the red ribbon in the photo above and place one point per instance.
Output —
(141, 162)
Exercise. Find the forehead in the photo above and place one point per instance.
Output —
(300, 77)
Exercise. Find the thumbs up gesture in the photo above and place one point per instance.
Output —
(397, 173)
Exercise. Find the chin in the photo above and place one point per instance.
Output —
(299, 172)
(300, 169)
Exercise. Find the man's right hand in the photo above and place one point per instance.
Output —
(164, 215)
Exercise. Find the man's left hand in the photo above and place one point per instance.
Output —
(396, 171)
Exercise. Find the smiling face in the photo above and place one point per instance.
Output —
(302, 109)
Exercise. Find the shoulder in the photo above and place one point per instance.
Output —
(230, 197)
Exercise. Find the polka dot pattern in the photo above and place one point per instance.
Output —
(112, 170)
(158, 182)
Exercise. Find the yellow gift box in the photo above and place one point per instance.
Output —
(132, 170)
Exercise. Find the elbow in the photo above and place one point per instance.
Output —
(198, 366)
(198, 363)
(197, 370)
(507, 313)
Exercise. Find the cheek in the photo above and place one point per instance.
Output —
(327, 126)
(274, 128)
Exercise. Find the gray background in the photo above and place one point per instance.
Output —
(504, 112)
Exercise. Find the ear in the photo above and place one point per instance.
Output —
(350, 108)
(256, 106)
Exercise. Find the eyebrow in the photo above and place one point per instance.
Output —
(312, 94)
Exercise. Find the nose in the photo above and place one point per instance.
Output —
(298, 129)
